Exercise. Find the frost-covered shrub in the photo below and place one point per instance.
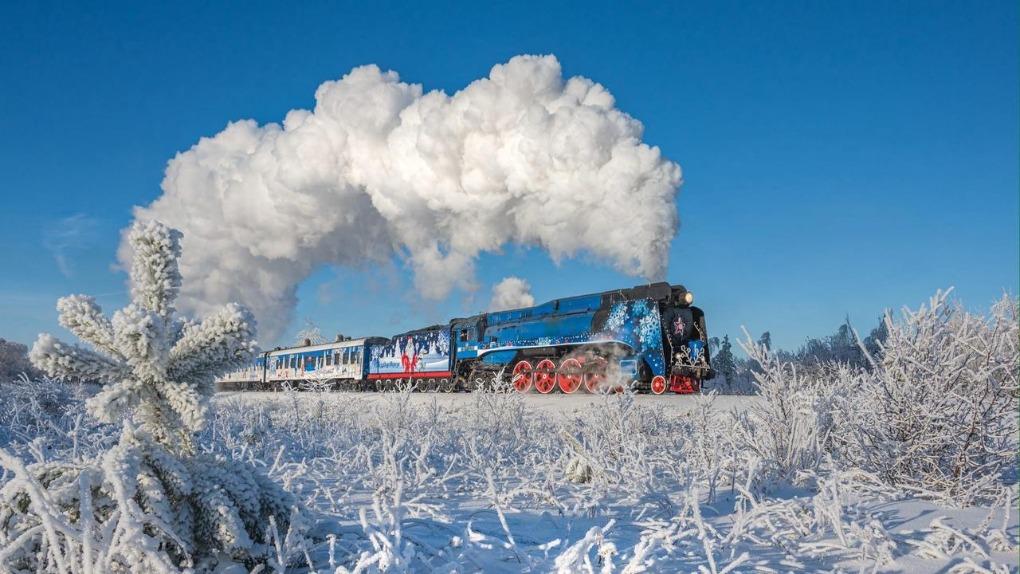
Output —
(152, 502)
(31, 408)
(938, 412)
(935, 413)
(788, 430)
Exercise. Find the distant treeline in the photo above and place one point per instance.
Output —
(14, 362)
(735, 375)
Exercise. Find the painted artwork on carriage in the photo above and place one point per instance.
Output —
(638, 324)
(415, 353)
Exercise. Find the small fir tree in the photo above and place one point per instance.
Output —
(152, 503)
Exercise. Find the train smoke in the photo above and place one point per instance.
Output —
(379, 168)
(511, 293)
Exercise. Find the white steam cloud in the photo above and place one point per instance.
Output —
(380, 168)
(511, 293)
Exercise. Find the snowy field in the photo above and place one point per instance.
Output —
(551, 403)
(505, 483)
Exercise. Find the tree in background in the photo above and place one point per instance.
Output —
(875, 340)
(14, 362)
(840, 347)
(724, 362)
(153, 503)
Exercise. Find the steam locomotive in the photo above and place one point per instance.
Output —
(650, 336)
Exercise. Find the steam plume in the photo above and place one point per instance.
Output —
(378, 168)
(511, 293)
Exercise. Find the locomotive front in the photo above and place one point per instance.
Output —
(685, 340)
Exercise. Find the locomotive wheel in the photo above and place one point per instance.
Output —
(445, 386)
(545, 376)
(658, 384)
(523, 377)
(594, 373)
(568, 377)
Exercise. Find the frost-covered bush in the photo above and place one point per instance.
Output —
(34, 408)
(938, 412)
(152, 502)
(789, 429)
(935, 413)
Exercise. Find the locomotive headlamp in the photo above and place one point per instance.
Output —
(687, 298)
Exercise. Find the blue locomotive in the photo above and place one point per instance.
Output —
(650, 335)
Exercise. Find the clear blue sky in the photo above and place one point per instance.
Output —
(839, 158)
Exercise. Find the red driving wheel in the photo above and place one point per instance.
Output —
(568, 377)
(545, 376)
(594, 373)
(522, 377)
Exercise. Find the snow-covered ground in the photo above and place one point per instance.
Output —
(551, 403)
(505, 483)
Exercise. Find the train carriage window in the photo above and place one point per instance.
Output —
(463, 335)
(356, 356)
(329, 359)
(347, 356)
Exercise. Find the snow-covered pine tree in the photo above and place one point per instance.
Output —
(152, 503)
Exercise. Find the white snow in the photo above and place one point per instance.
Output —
(489, 482)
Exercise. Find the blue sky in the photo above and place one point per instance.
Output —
(839, 158)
